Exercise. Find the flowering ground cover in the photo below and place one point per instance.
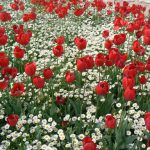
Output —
(74, 75)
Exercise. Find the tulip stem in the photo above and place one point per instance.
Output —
(99, 72)
(80, 84)
(97, 104)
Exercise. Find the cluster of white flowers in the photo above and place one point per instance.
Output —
(49, 136)
(2, 112)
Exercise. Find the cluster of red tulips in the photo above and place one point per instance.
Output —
(131, 64)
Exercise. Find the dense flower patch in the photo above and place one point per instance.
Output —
(74, 75)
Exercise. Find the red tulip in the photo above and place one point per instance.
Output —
(23, 38)
(18, 89)
(8, 73)
(136, 46)
(62, 12)
(110, 121)
(47, 73)
(3, 39)
(21, 6)
(140, 66)
(30, 69)
(14, 6)
(147, 32)
(60, 100)
(147, 40)
(81, 64)
(105, 33)
(69, 77)
(143, 79)
(107, 61)
(130, 71)
(128, 82)
(32, 15)
(79, 11)
(17, 5)
(50, 8)
(86, 139)
(100, 59)
(18, 29)
(139, 34)
(102, 88)
(129, 94)
(148, 143)
(110, 4)
(108, 44)
(147, 36)
(89, 61)
(109, 12)
(119, 39)
(2, 30)
(120, 63)
(142, 51)
(136, 25)
(3, 85)
(118, 21)
(81, 43)
(4, 16)
(1, 7)
(113, 55)
(147, 120)
(64, 123)
(60, 40)
(4, 60)
(38, 82)
(18, 52)
(90, 146)
(25, 17)
(99, 4)
(86, 62)
(125, 3)
(29, 16)
(86, 5)
(147, 115)
(12, 119)
(58, 50)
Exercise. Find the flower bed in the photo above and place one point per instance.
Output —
(74, 75)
